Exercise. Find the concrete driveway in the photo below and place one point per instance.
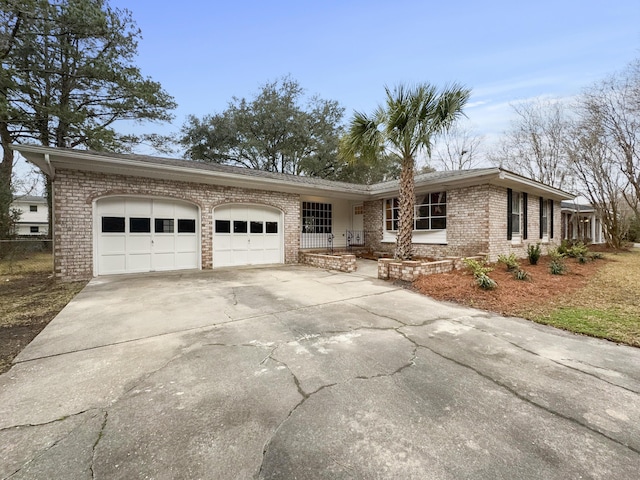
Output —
(299, 373)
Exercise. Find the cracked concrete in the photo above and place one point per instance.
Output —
(294, 372)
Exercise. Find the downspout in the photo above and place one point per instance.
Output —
(52, 211)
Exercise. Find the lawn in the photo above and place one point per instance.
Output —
(600, 298)
(29, 299)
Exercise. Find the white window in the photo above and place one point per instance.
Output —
(516, 200)
(429, 214)
(33, 208)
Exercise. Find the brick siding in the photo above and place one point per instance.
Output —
(75, 191)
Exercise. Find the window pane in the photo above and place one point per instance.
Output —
(186, 225)
(422, 224)
(163, 225)
(239, 226)
(438, 210)
(33, 208)
(139, 225)
(223, 226)
(34, 229)
(113, 224)
(515, 223)
(272, 227)
(422, 211)
(256, 227)
(438, 223)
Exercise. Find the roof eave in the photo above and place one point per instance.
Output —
(75, 160)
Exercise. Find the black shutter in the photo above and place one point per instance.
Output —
(509, 213)
(525, 217)
(550, 218)
(541, 218)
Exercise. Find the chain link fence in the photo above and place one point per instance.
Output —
(26, 255)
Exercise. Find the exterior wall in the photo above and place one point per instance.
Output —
(498, 243)
(75, 191)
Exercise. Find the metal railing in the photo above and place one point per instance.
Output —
(317, 241)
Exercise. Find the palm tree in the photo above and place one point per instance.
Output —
(403, 128)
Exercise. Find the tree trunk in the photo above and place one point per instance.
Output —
(407, 203)
(6, 192)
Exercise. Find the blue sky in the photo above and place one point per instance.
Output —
(205, 52)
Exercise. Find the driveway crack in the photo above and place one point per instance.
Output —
(305, 396)
(531, 402)
(95, 445)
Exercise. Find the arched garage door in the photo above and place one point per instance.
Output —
(247, 235)
(145, 235)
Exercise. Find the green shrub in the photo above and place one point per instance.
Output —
(557, 267)
(520, 274)
(480, 273)
(582, 259)
(477, 267)
(485, 283)
(596, 256)
(577, 250)
(509, 261)
(533, 253)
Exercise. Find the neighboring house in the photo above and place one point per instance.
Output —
(34, 216)
(581, 223)
(132, 213)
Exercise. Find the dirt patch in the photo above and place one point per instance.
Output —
(512, 297)
(29, 301)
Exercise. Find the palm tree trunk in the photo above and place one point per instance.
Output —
(407, 202)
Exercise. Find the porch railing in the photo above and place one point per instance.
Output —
(317, 241)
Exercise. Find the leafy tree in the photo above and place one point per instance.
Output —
(68, 76)
(275, 131)
(403, 128)
(534, 145)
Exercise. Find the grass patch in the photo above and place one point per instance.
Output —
(608, 306)
(610, 324)
(31, 298)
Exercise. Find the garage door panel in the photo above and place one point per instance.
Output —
(110, 244)
(138, 245)
(186, 244)
(164, 244)
(140, 262)
(160, 247)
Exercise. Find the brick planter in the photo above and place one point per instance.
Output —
(343, 263)
(410, 270)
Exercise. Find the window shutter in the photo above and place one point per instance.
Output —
(509, 212)
(550, 218)
(525, 202)
(541, 218)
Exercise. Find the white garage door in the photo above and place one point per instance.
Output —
(247, 235)
(145, 235)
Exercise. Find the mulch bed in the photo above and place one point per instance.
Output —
(512, 297)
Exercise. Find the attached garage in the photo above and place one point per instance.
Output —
(138, 234)
(247, 235)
